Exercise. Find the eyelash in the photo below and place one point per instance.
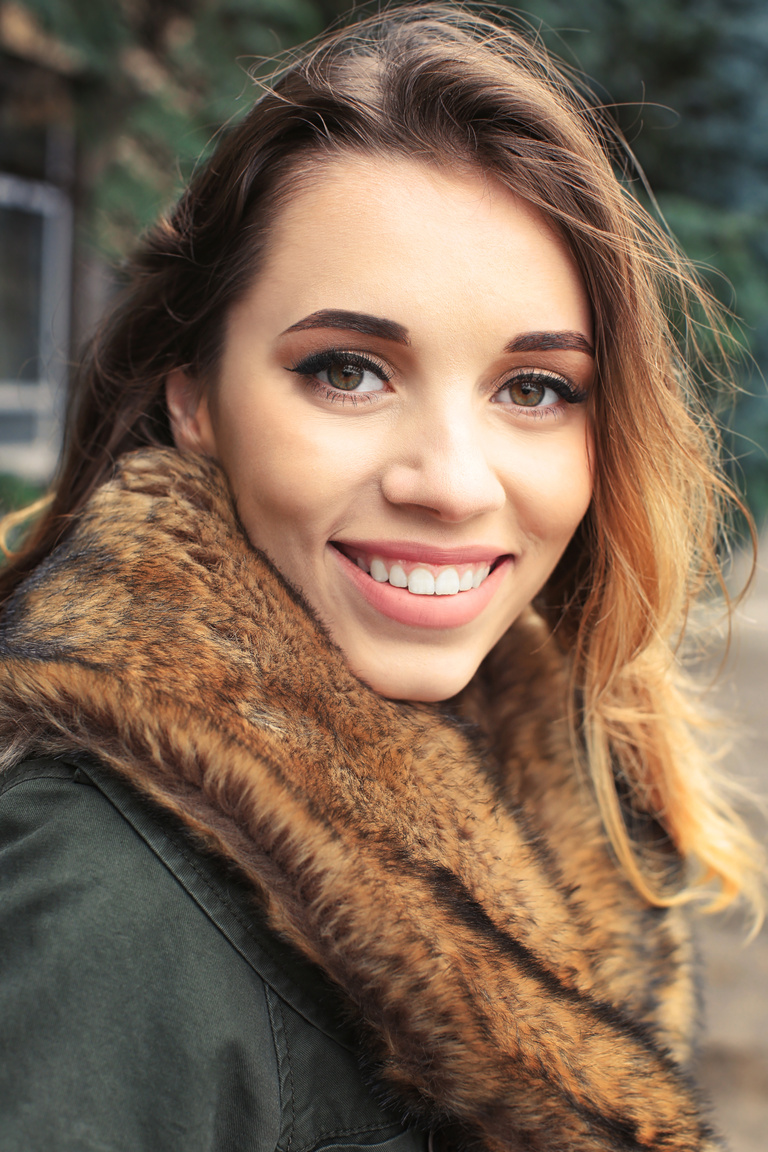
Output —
(566, 389)
(316, 362)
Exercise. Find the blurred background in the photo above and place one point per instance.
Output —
(106, 105)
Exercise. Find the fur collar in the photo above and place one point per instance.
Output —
(508, 981)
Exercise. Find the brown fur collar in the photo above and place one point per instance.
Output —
(509, 981)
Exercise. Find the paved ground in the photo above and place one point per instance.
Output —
(735, 1060)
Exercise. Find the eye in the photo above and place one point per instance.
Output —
(344, 371)
(538, 390)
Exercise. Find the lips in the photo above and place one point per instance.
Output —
(430, 554)
(420, 586)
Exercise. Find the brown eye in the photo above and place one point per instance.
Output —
(345, 376)
(544, 391)
(343, 371)
(527, 393)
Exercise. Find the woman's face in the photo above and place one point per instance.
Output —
(400, 411)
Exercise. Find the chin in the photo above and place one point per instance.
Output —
(424, 683)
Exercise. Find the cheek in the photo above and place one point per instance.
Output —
(553, 489)
(280, 490)
(267, 465)
(293, 475)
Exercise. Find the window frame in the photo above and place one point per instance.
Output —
(43, 398)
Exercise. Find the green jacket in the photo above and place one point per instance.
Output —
(144, 1006)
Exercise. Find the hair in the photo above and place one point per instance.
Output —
(448, 85)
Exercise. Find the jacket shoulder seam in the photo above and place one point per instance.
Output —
(37, 768)
(125, 805)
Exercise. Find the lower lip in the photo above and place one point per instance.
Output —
(423, 611)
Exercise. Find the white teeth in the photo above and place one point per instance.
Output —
(480, 575)
(379, 571)
(421, 582)
(397, 577)
(447, 582)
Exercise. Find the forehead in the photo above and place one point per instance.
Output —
(404, 239)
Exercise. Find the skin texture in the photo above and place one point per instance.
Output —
(438, 454)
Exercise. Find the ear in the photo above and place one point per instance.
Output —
(189, 414)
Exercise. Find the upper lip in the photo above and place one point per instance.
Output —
(428, 553)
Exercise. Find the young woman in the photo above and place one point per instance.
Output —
(350, 797)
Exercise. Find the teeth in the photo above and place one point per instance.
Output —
(467, 581)
(480, 575)
(379, 571)
(421, 582)
(447, 582)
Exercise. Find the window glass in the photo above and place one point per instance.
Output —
(21, 240)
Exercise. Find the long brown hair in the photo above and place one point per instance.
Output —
(452, 87)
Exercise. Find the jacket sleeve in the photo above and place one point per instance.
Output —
(126, 1023)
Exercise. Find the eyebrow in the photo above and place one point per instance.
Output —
(354, 322)
(369, 325)
(550, 341)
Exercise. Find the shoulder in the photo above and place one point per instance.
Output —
(145, 1004)
(65, 844)
(120, 1000)
(79, 872)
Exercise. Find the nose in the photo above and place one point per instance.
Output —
(441, 462)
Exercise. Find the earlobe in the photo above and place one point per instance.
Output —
(189, 414)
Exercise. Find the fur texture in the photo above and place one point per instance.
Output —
(447, 870)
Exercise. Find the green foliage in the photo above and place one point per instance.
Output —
(15, 492)
(156, 81)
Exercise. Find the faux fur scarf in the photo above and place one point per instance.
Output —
(507, 979)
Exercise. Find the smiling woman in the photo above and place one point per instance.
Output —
(350, 794)
(417, 483)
